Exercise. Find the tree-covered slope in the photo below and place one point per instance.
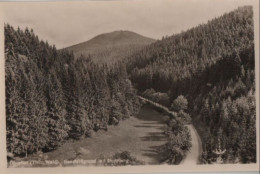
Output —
(180, 56)
(213, 66)
(51, 96)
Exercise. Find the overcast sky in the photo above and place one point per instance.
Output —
(69, 23)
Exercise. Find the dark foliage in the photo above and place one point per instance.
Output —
(157, 97)
(50, 96)
(179, 143)
(212, 65)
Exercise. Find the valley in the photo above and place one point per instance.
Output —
(127, 97)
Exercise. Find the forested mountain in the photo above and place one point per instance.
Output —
(212, 65)
(51, 96)
(111, 47)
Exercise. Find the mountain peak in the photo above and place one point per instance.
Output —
(120, 37)
(111, 46)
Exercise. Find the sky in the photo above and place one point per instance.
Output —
(68, 23)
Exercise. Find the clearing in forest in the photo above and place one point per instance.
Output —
(140, 135)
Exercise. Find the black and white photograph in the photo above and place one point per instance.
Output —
(160, 84)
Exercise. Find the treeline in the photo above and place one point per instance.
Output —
(212, 65)
(51, 97)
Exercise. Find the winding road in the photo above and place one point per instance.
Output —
(192, 157)
(195, 151)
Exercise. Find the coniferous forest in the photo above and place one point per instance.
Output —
(213, 66)
(205, 76)
(51, 97)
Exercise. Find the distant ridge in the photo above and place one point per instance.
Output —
(111, 47)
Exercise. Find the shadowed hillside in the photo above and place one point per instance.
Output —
(213, 66)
